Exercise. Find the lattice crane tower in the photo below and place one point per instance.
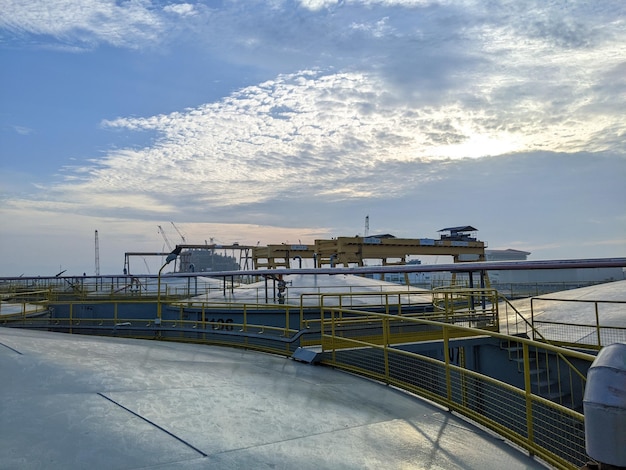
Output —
(97, 255)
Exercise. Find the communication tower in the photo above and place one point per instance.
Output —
(97, 255)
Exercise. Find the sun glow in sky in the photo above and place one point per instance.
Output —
(292, 120)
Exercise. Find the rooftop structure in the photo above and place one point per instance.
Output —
(506, 255)
(461, 233)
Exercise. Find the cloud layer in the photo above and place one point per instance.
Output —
(364, 105)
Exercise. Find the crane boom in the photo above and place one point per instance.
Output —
(181, 235)
(167, 242)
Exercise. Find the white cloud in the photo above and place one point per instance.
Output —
(318, 4)
(84, 21)
(22, 130)
(182, 9)
(391, 104)
(333, 136)
(321, 4)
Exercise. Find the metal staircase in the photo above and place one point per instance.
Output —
(550, 375)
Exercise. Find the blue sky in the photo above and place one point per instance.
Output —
(285, 121)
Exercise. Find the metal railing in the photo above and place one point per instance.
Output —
(18, 304)
(475, 307)
(487, 307)
(530, 393)
(515, 290)
(137, 319)
(524, 413)
(70, 288)
(594, 331)
(353, 298)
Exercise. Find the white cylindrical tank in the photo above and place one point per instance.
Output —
(604, 406)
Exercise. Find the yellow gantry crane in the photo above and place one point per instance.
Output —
(454, 241)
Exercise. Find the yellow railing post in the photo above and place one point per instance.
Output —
(598, 325)
(341, 308)
(464, 388)
(322, 324)
(446, 356)
(333, 332)
(245, 321)
(245, 318)
(385, 346)
(528, 396)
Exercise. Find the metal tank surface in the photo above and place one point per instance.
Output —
(86, 402)
(605, 406)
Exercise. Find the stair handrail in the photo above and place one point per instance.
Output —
(501, 298)
(541, 337)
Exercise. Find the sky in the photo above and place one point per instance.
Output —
(286, 121)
